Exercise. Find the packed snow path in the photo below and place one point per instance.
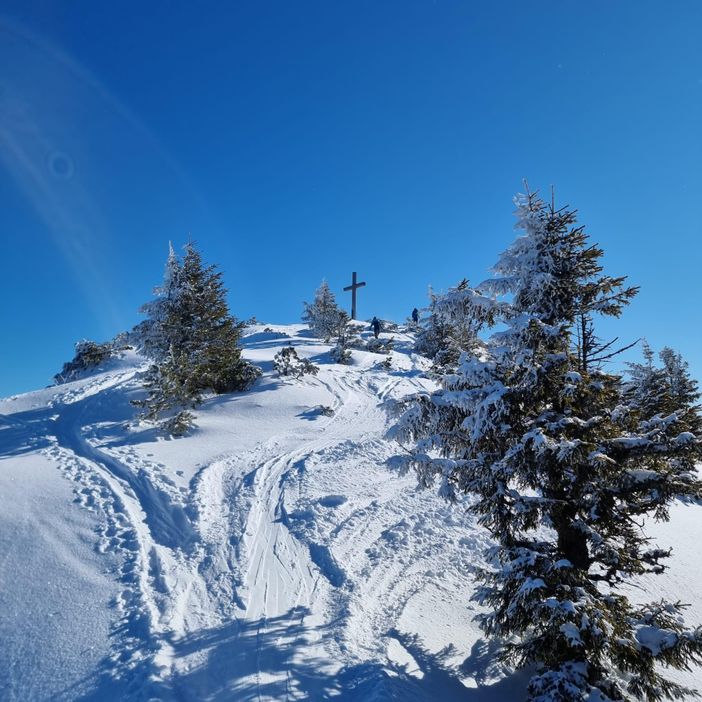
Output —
(268, 556)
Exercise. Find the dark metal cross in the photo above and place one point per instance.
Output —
(353, 287)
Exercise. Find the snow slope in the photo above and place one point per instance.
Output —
(270, 555)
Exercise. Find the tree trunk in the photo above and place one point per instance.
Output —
(572, 544)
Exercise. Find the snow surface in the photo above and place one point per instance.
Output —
(270, 555)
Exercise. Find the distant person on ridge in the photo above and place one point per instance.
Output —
(375, 326)
(415, 315)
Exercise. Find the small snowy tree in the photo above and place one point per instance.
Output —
(210, 335)
(340, 353)
(192, 339)
(323, 315)
(563, 471)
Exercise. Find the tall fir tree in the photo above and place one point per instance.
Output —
(193, 340)
(323, 315)
(563, 471)
(209, 335)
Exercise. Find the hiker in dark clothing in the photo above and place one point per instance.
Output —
(415, 315)
(375, 326)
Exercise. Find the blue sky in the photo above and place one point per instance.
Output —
(300, 140)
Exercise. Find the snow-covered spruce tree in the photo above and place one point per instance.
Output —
(563, 472)
(323, 315)
(213, 335)
(193, 340)
(463, 312)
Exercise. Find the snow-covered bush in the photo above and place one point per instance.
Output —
(380, 345)
(89, 355)
(385, 364)
(287, 362)
(340, 353)
(179, 423)
(347, 337)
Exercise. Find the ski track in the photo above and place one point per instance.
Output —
(230, 550)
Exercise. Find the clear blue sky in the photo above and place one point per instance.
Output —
(302, 140)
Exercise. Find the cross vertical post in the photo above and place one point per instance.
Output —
(353, 287)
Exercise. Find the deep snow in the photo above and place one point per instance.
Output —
(269, 555)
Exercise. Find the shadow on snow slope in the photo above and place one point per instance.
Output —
(254, 660)
(26, 432)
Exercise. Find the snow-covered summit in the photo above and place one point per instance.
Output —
(268, 555)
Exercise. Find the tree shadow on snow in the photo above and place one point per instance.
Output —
(441, 680)
(244, 398)
(408, 373)
(280, 341)
(257, 337)
(31, 430)
(168, 522)
(272, 659)
(24, 432)
(313, 413)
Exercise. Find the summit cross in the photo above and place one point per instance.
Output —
(353, 287)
